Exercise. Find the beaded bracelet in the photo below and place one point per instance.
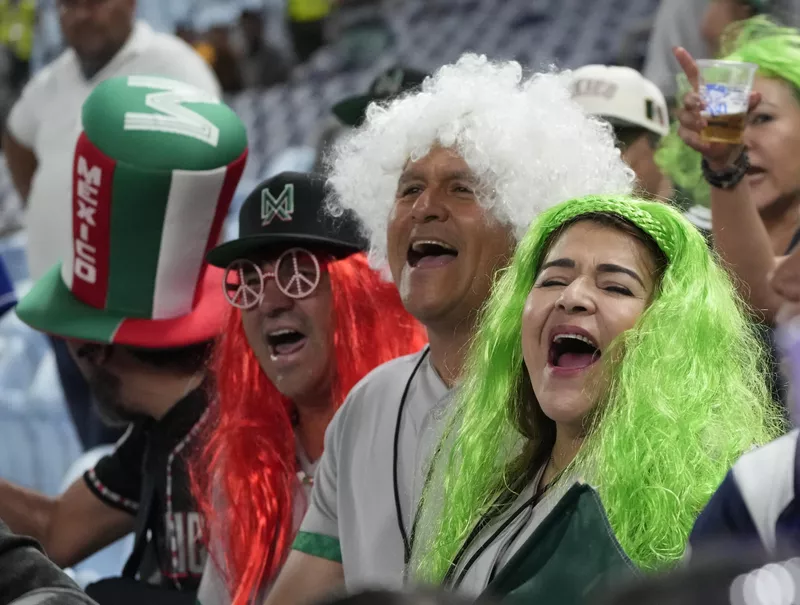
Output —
(728, 177)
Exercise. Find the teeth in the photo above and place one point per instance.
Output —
(417, 246)
(561, 337)
(282, 332)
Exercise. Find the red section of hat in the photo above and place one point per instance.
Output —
(203, 323)
(92, 179)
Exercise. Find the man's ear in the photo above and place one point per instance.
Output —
(94, 353)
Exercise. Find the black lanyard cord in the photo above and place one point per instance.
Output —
(502, 500)
(504, 549)
(528, 505)
(396, 456)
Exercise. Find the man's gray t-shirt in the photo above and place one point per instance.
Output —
(352, 516)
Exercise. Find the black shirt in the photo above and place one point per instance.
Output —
(175, 554)
(779, 384)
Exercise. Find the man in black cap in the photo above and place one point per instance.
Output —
(391, 83)
(307, 312)
(350, 112)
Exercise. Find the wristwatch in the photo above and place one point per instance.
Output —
(728, 177)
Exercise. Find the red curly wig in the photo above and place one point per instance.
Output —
(248, 457)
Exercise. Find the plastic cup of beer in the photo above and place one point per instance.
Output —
(725, 87)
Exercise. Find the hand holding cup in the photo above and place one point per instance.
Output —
(709, 102)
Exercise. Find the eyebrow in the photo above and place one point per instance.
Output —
(418, 175)
(568, 263)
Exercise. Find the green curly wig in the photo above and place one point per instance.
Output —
(776, 51)
(685, 397)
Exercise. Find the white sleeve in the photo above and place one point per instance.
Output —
(185, 65)
(26, 115)
(212, 589)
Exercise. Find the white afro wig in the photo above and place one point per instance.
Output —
(528, 144)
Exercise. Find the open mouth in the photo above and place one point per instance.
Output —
(755, 171)
(430, 253)
(572, 352)
(285, 342)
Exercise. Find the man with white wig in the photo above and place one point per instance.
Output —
(445, 179)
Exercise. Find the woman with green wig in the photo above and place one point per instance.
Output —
(756, 217)
(613, 381)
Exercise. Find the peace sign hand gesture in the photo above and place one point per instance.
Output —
(692, 121)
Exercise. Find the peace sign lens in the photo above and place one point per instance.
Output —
(296, 272)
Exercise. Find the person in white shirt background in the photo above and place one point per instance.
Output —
(103, 39)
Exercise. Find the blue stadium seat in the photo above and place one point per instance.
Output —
(33, 414)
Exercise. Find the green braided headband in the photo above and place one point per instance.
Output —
(619, 206)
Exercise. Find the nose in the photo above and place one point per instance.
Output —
(576, 298)
(749, 139)
(274, 302)
(428, 207)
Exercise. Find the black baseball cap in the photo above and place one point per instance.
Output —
(289, 209)
(389, 84)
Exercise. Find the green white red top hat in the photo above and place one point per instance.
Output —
(154, 172)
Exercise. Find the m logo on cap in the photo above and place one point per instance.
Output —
(282, 207)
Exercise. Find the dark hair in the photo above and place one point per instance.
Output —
(186, 360)
(417, 597)
(533, 423)
(626, 135)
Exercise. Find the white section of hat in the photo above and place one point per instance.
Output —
(621, 94)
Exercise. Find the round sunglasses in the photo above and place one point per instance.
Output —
(296, 272)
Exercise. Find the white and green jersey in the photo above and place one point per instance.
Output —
(494, 546)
